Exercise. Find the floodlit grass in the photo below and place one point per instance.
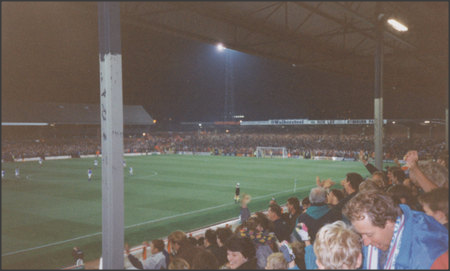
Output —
(51, 209)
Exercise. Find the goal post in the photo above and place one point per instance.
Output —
(271, 152)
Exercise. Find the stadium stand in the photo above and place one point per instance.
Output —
(76, 131)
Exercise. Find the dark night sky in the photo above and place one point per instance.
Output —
(47, 57)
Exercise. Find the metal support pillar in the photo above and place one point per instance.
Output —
(111, 110)
(229, 86)
(446, 129)
(378, 103)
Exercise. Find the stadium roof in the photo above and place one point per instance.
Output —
(61, 113)
(330, 36)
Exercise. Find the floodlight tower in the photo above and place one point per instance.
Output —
(228, 111)
(378, 87)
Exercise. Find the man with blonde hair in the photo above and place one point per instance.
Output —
(337, 246)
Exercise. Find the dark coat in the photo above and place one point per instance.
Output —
(249, 265)
(281, 230)
(315, 217)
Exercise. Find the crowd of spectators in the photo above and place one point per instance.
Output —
(236, 144)
(367, 224)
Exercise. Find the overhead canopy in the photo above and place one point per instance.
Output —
(63, 113)
(329, 36)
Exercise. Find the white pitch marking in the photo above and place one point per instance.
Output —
(143, 223)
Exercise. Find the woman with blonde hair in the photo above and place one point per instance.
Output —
(337, 246)
(276, 261)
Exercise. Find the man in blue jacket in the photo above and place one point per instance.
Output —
(394, 236)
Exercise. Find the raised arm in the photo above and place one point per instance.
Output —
(415, 174)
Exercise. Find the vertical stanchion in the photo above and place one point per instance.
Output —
(111, 116)
(378, 103)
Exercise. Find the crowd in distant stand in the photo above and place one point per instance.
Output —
(236, 144)
(395, 219)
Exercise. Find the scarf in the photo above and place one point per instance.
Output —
(394, 248)
(264, 238)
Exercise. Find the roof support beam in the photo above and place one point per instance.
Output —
(359, 17)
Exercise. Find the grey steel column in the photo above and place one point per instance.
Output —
(111, 109)
(378, 103)
(446, 129)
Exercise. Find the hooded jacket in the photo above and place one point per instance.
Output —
(422, 242)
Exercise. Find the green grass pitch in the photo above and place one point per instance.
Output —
(50, 209)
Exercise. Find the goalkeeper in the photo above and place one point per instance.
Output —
(236, 193)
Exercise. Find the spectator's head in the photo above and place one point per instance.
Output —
(156, 246)
(368, 184)
(334, 196)
(318, 195)
(210, 238)
(176, 238)
(192, 240)
(373, 214)
(178, 263)
(276, 261)
(293, 205)
(398, 176)
(351, 182)
(380, 179)
(435, 204)
(274, 212)
(222, 235)
(390, 174)
(401, 194)
(246, 198)
(435, 172)
(200, 241)
(264, 223)
(337, 246)
(205, 260)
(251, 224)
(239, 250)
(306, 203)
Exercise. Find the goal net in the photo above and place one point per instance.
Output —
(271, 152)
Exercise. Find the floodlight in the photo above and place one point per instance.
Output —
(397, 25)
(220, 47)
(427, 121)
